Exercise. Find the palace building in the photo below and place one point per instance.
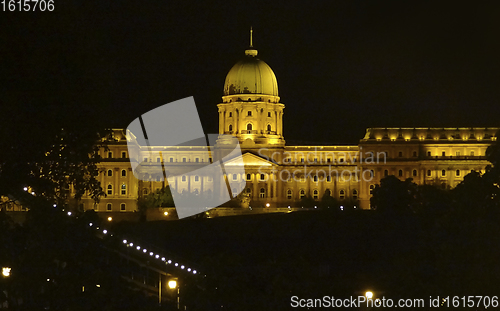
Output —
(279, 175)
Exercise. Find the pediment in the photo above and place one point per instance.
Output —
(249, 159)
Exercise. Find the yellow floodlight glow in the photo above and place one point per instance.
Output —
(165, 213)
(369, 294)
(172, 284)
(6, 271)
(110, 218)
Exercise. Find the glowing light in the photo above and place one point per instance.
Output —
(165, 213)
(110, 218)
(48, 280)
(6, 271)
(151, 253)
(176, 264)
(131, 244)
(267, 204)
(54, 205)
(189, 269)
(369, 294)
(97, 285)
(182, 267)
(144, 250)
(124, 241)
(69, 213)
(341, 208)
(25, 188)
(194, 272)
(91, 224)
(157, 256)
(289, 206)
(172, 284)
(105, 231)
(162, 258)
(170, 261)
(138, 247)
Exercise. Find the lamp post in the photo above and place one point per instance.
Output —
(173, 284)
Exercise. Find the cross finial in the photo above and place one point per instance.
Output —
(251, 36)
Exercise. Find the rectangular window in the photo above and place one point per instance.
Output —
(196, 178)
(457, 173)
(110, 154)
(197, 160)
(458, 153)
(262, 177)
(109, 207)
(124, 154)
(145, 160)
(122, 207)
(249, 177)
(443, 153)
(158, 160)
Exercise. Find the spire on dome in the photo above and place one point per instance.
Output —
(251, 51)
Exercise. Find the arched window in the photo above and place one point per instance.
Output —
(315, 178)
(249, 127)
(171, 160)
(235, 176)
(110, 173)
(124, 154)
(110, 189)
(262, 194)
(289, 194)
(124, 189)
(230, 114)
(457, 173)
(371, 188)
(400, 173)
(302, 193)
(196, 178)
(249, 176)
(443, 173)
(123, 207)
(355, 194)
(429, 173)
(124, 173)
(342, 194)
(230, 127)
(315, 194)
(262, 177)
(269, 127)
(183, 178)
(268, 114)
(109, 207)
(386, 173)
(145, 191)
(414, 173)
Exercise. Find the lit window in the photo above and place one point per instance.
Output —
(262, 193)
(289, 194)
(122, 207)
(249, 176)
(355, 194)
(124, 173)
(124, 189)
(315, 194)
(110, 173)
(110, 189)
(109, 207)
(342, 194)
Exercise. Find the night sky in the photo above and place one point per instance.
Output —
(342, 66)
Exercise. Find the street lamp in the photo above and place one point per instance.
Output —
(165, 213)
(6, 271)
(172, 284)
(110, 218)
(267, 205)
(369, 294)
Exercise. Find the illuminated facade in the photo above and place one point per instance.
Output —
(281, 175)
